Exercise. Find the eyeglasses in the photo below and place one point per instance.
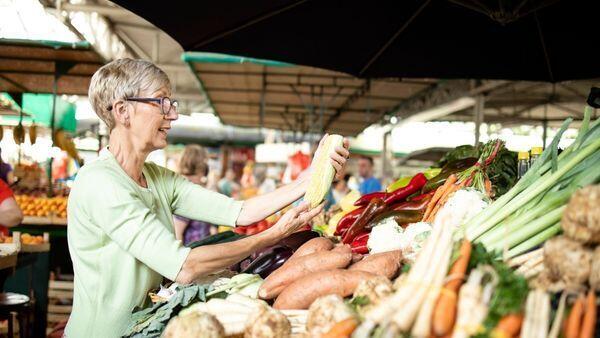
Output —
(166, 104)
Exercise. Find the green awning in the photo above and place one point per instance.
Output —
(39, 109)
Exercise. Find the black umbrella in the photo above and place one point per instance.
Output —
(541, 40)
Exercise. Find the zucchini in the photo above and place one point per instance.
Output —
(223, 237)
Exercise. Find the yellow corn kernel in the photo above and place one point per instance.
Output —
(322, 171)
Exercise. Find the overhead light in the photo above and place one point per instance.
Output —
(394, 120)
(442, 110)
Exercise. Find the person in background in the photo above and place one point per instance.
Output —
(193, 166)
(10, 213)
(369, 183)
(227, 185)
(6, 171)
(340, 189)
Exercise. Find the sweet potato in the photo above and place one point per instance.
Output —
(312, 246)
(384, 264)
(302, 266)
(304, 291)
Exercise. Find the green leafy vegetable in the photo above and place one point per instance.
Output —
(150, 322)
(510, 293)
(458, 153)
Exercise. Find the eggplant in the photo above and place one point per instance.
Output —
(268, 262)
(295, 240)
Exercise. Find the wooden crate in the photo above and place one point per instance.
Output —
(60, 300)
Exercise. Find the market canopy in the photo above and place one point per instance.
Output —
(33, 66)
(260, 93)
(535, 40)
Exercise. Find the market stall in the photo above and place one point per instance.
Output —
(32, 75)
(486, 245)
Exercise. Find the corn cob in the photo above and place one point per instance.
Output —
(322, 171)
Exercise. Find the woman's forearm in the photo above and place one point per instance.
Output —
(204, 260)
(260, 207)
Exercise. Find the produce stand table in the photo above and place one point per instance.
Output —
(34, 263)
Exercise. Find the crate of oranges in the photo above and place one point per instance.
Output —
(43, 207)
(28, 242)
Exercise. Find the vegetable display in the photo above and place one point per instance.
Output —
(464, 250)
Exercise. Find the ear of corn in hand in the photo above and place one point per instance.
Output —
(322, 171)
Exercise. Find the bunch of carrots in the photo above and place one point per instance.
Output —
(581, 321)
(441, 196)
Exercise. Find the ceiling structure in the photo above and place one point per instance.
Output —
(251, 93)
(30, 67)
(260, 93)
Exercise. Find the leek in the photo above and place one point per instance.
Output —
(530, 212)
(534, 241)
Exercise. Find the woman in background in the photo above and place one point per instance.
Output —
(6, 171)
(193, 166)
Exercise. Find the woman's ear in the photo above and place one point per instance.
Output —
(121, 111)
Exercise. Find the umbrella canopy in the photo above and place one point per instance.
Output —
(538, 40)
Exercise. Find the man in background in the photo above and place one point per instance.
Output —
(368, 182)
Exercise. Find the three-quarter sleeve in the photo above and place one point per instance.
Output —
(130, 221)
(196, 202)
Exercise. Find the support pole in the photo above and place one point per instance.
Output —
(479, 105)
(385, 160)
(52, 126)
(545, 132)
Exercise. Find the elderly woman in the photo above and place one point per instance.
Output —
(120, 210)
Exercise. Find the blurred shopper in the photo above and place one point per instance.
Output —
(10, 213)
(6, 171)
(193, 166)
(369, 183)
(340, 189)
(227, 185)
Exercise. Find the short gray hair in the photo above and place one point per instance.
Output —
(120, 79)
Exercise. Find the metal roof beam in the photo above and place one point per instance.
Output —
(443, 92)
(270, 73)
(360, 92)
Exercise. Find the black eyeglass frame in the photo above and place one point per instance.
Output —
(159, 100)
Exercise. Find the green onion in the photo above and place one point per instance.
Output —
(534, 241)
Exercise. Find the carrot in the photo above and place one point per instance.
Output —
(444, 314)
(304, 291)
(508, 326)
(438, 194)
(342, 329)
(488, 187)
(574, 321)
(445, 196)
(589, 317)
(384, 264)
(302, 266)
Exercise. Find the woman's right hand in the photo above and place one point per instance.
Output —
(294, 219)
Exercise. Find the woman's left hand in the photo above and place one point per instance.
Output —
(339, 158)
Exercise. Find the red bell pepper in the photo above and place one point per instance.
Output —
(416, 183)
(359, 244)
(365, 199)
(347, 221)
(375, 207)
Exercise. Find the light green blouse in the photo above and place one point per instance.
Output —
(122, 242)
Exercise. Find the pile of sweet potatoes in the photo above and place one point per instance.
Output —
(320, 268)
